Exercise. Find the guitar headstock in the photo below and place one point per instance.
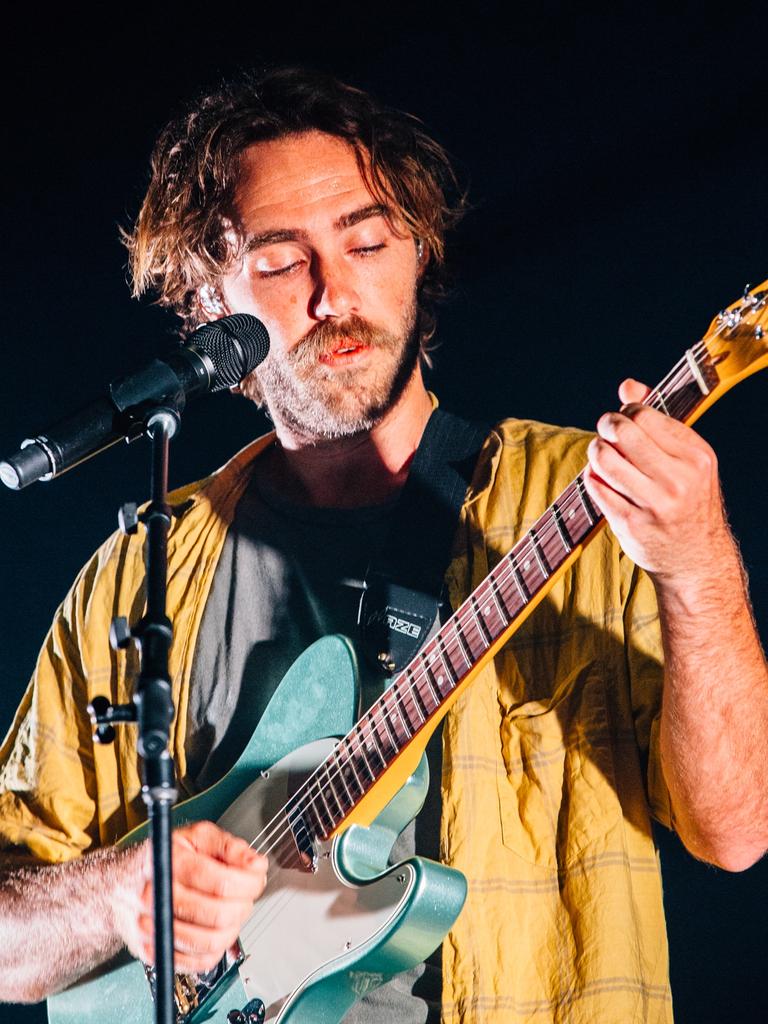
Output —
(737, 340)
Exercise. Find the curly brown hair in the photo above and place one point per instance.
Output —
(178, 241)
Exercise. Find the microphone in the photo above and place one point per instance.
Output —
(216, 356)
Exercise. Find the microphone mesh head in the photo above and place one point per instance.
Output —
(235, 345)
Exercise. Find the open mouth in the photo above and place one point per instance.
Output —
(344, 351)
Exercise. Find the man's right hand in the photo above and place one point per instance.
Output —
(216, 880)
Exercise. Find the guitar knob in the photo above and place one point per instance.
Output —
(254, 1011)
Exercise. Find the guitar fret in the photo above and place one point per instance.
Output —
(592, 515)
(463, 646)
(660, 396)
(350, 763)
(395, 716)
(374, 740)
(501, 617)
(340, 773)
(326, 807)
(418, 698)
(566, 541)
(363, 756)
(469, 629)
(334, 794)
(446, 661)
(538, 554)
(388, 731)
(349, 775)
(321, 827)
(498, 597)
(401, 698)
(431, 685)
(525, 594)
(485, 636)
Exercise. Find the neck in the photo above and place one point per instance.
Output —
(350, 472)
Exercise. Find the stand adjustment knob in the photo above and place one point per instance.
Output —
(98, 710)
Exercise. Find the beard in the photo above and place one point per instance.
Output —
(325, 402)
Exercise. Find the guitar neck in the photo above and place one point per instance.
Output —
(419, 695)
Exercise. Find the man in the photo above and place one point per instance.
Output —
(304, 202)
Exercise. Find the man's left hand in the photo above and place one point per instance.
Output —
(656, 482)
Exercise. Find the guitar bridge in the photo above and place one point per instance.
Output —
(192, 991)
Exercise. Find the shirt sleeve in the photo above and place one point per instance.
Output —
(47, 779)
(645, 669)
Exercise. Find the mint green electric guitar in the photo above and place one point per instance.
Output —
(336, 920)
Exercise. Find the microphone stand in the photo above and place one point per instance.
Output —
(152, 707)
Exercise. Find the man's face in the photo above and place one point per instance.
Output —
(332, 281)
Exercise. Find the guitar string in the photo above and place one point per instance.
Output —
(652, 399)
(314, 782)
(655, 399)
(674, 377)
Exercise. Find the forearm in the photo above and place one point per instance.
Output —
(714, 724)
(58, 921)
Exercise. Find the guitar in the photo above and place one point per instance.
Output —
(336, 920)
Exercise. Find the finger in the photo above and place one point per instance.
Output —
(617, 509)
(613, 469)
(674, 437)
(202, 947)
(194, 949)
(642, 450)
(206, 911)
(206, 875)
(207, 837)
(631, 390)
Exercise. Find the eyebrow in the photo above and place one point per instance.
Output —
(347, 220)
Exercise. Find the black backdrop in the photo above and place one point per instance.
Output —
(617, 166)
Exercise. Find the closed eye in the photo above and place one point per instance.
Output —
(281, 270)
(369, 250)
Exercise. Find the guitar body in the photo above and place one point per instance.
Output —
(335, 921)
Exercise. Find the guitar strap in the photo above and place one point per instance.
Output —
(404, 597)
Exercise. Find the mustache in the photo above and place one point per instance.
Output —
(324, 336)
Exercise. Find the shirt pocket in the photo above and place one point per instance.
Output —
(556, 784)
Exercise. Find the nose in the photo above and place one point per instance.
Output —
(334, 294)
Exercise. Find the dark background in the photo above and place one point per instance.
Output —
(616, 160)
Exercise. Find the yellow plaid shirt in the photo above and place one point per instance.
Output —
(551, 769)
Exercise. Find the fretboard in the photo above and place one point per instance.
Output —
(418, 694)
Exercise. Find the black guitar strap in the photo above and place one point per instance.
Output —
(404, 595)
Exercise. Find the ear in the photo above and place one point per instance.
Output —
(211, 302)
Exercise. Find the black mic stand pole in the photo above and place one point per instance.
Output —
(152, 705)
